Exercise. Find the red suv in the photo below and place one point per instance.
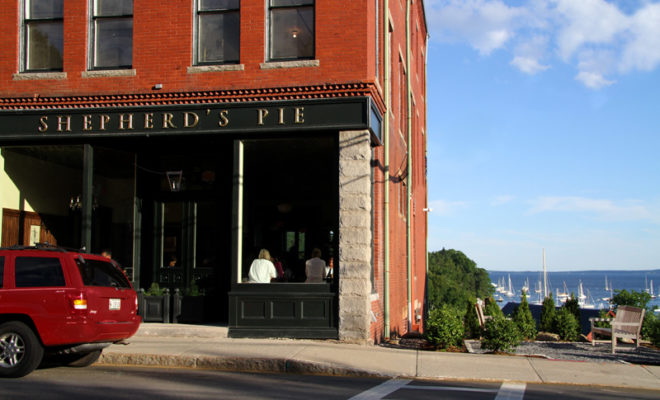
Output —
(61, 303)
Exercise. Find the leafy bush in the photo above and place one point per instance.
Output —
(501, 334)
(632, 298)
(548, 313)
(651, 330)
(471, 322)
(567, 326)
(155, 290)
(522, 316)
(444, 327)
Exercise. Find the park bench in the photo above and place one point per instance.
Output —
(627, 324)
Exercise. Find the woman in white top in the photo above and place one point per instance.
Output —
(262, 269)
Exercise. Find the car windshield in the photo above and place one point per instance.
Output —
(101, 273)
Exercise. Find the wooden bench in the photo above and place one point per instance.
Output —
(479, 306)
(627, 324)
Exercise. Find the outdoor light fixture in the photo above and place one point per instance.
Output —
(294, 33)
(174, 180)
(427, 209)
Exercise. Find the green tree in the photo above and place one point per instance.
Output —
(567, 326)
(501, 334)
(522, 316)
(548, 314)
(454, 279)
(471, 322)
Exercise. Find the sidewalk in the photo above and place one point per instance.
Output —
(208, 347)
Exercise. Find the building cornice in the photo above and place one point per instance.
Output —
(196, 97)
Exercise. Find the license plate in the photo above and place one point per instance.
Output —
(115, 304)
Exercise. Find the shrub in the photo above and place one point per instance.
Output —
(501, 334)
(155, 290)
(444, 327)
(548, 315)
(632, 298)
(573, 306)
(651, 331)
(471, 322)
(566, 324)
(522, 316)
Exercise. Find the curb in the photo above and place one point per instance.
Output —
(233, 364)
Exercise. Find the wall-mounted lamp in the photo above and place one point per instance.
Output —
(174, 180)
(157, 86)
(294, 33)
(428, 209)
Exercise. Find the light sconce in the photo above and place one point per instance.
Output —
(157, 86)
(428, 210)
(174, 180)
(294, 33)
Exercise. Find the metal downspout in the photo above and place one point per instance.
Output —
(386, 161)
(409, 168)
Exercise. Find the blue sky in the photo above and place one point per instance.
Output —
(544, 132)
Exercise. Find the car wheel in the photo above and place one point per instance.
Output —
(20, 350)
(83, 359)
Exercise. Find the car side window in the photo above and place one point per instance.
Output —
(101, 273)
(2, 271)
(38, 272)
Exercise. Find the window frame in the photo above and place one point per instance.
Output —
(269, 30)
(197, 13)
(26, 20)
(93, 18)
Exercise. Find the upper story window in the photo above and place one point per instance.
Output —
(112, 34)
(291, 25)
(43, 35)
(218, 31)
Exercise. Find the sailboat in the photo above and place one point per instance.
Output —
(563, 296)
(581, 296)
(588, 303)
(510, 292)
(653, 296)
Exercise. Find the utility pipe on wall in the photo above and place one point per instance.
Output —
(386, 161)
(409, 169)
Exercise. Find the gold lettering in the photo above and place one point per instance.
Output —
(104, 120)
(224, 118)
(122, 120)
(281, 121)
(167, 120)
(300, 117)
(262, 114)
(186, 120)
(43, 126)
(64, 120)
(87, 122)
(148, 120)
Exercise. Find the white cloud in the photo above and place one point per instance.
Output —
(570, 31)
(593, 80)
(604, 208)
(446, 208)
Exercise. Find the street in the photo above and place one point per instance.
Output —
(110, 382)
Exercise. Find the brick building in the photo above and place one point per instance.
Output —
(186, 135)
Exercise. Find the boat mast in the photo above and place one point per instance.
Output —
(545, 278)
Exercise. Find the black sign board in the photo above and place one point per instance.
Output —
(340, 114)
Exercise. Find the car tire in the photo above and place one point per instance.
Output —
(20, 350)
(83, 359)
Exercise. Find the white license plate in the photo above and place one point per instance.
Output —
(115, 304)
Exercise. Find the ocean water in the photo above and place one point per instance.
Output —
(593, 284)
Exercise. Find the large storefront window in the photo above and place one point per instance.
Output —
(290, 207)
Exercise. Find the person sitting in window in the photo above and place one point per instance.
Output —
(315, 268)
(262, 269)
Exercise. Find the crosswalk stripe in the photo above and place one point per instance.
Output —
(382, 390)
(511, 391)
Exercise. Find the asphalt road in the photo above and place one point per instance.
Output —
(109, 382)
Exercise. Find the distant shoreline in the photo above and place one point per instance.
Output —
(536, 271)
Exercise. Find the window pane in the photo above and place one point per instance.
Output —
(101, 273)
(45, 9)
(45, 44)
(292, 33)
(38, 272)
(205, 5)
(114, 43)
(218, 37)
(284, 3)
(113, 7)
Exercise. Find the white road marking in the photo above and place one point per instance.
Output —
(511, 391)
(382, 390)
(451, 389)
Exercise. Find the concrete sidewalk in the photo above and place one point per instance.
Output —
(208, 347)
